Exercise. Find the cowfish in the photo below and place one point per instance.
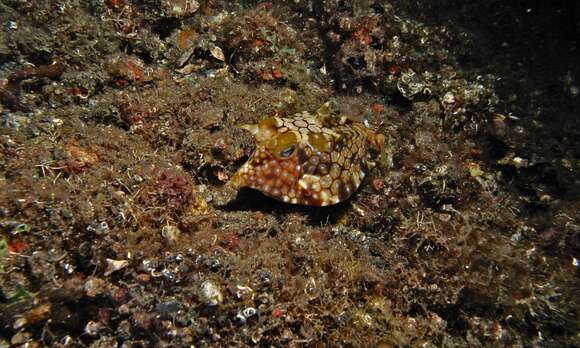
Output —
(309, 159)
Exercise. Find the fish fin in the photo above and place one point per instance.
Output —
(326, 109)
(237, 180)
(325, 113)
(328, 117)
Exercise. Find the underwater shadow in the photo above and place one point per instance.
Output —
(251, 200)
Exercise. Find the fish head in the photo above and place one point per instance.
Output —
(274, 167)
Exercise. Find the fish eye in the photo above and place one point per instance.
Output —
(288, 151)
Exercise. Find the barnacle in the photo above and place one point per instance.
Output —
(311, 159)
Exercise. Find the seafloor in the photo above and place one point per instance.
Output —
(120, 129)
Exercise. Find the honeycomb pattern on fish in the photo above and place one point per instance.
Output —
(311, 159)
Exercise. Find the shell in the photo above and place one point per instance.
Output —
(311, 159)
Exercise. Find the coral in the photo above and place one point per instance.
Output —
(119, 131)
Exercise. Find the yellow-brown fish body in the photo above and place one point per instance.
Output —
(307, 159)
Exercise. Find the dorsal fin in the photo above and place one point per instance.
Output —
(325, 113)
(326, 109)
(328, 117)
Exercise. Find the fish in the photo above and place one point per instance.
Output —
(313, 159)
